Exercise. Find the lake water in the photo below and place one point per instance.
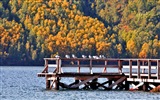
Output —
(22, 83)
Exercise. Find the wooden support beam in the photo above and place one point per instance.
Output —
(105, 68)
(47, 84)
(84, 82)
(158, 69)
(76, 82)
(130, 68)
(46, 67)
(120, 66)
(63, 85)
(118, 82)
(138, 70)
(109, 82)
(91, 72)
(52, 84)
(137, 86)
(94, 84)
(149, 69)
(78, 63)
(145, 86)
(57, 83)
(58, 69)
(127, 85)
(102, 85)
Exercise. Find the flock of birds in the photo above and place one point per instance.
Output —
(83, 56)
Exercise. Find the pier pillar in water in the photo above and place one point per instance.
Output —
(47, 84)
(57, 84)
(109, 82)
(145, 86)
(126, 85)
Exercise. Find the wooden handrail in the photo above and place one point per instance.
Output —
(106, 63)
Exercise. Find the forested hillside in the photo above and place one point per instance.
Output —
(33, 29)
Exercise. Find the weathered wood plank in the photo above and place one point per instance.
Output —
(141, 67)
(143, 80)
(142, 74)
(130, 68)
(63, 85)
(46, 67)
(83, 82)
(137, 86)
(138, 70)
(91, 72)
(118, 81)
(120, 66)
(149, 69)
(158, 69)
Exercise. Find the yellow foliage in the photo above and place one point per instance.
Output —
(57, 42)
(74, 6)
(143, 54)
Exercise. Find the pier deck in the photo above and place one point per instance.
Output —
(116, 73)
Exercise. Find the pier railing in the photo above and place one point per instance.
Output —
(142, 68)
(133, 68)
(120, 72)
(60, 63)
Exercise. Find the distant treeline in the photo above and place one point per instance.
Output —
(33, 29)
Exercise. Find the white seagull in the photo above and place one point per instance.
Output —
(73, 56)
(67, 56)
(83, 56)
(103, 57)
(100, 56)
(95, 57)
(90, 56)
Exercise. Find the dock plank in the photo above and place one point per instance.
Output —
(85, 81)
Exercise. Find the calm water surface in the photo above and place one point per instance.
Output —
(22, 83)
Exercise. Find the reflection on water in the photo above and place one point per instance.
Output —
(19, 83)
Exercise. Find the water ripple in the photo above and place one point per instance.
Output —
(22, 83)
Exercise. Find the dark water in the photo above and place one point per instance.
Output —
(22, 83)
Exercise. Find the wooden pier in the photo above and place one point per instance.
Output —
(124, 74)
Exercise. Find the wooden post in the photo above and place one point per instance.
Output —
(126, 85)
(91, 72)
(130, 68)
(78, 63)
(57, 83)
(109, 83)
(158, 69)
(105, 68)
(145, 86)
(138, 70)
(149, 69)
(47, 83)
(120, 66)
(76, 82)
(119, 81)
(58, 69)
(93, 84)
(46, 65)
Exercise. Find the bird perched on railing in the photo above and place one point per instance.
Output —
(84, 56)
(73, 56)
(90, 56)
(95, 57)
(57, 56)
(67, 56)
(103, 57)
(100, 56)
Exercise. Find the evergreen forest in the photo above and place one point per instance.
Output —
(31, 30)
